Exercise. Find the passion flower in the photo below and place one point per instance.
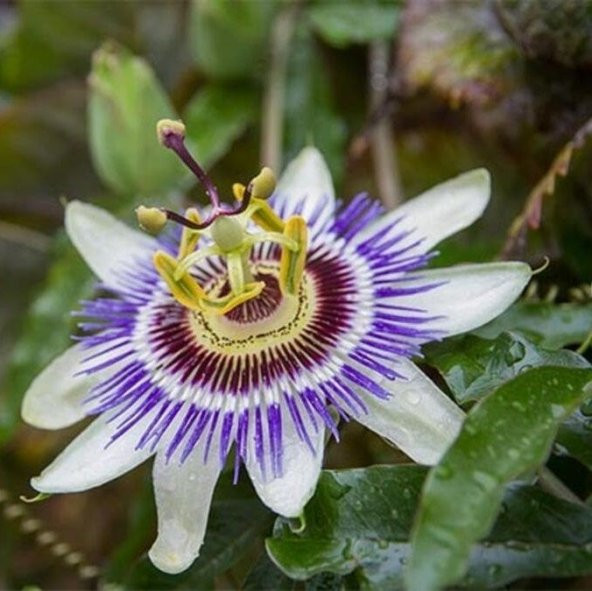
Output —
(255, 329)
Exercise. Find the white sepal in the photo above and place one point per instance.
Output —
(54, 398)
(469, 295)
(92, 459)
(288, 494)
(183, 496)
(107, 245)
(418, 417)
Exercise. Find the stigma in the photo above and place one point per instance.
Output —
(228, 232)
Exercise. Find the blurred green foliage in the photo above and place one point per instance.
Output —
(502, 83)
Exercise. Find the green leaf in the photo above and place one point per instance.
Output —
(575, 437)
(359, 521)
(310, 116)
(55, 39)
(342, 24)
(229, 37)
(265, 576)
(473, 366)
(43, 150)
(550, 325)
(216, 116)
(47, 329)
(236, 525)
(504, 435)
(126, 101)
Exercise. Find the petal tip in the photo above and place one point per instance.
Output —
(169, 562)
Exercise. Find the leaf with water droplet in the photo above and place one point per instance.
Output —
(473, 366)
(445, 528)
(372, 544)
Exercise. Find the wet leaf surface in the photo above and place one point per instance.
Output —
(473, 367)
(347, 532)
(505, 435)
(550, 325)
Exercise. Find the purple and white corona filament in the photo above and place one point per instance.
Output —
(252, 332)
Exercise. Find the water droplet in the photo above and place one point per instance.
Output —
(513, 454)
(517, 546)
(469, 428)
(443, 472)
(517, 406)
(525, 367)
(557, 411)
(383, 544)
(515, 353)
(485, 480)
(586, 408)
(413, 396)
(394, 514)
(494, 569)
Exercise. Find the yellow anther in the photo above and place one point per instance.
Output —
(227, 233)
(186, 290)
(238, 190)
(229, 302)
(263, 185)
(168, 127)
(189, 238)
(265, 217)
(292, 261)
(151, 219)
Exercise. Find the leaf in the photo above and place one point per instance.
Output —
(55, 39)
(504, 435)
(216, 116)
(575, 438)
(228, 37)
(47, 328)
(359, 521)
(126, 101)
(348, 23)
(550, 325)
(265, 576)
(473, 366)
(236, 524)
(310, 117)
(43, 150)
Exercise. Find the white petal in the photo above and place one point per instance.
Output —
(418, 418)
(289, 494)
(54, 399)
(441, 211)
(183, 497)
(87, 462)
(471, 295)
(107, 245)
(306, 183)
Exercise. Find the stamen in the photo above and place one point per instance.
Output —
(151, 219)
(171, 134)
